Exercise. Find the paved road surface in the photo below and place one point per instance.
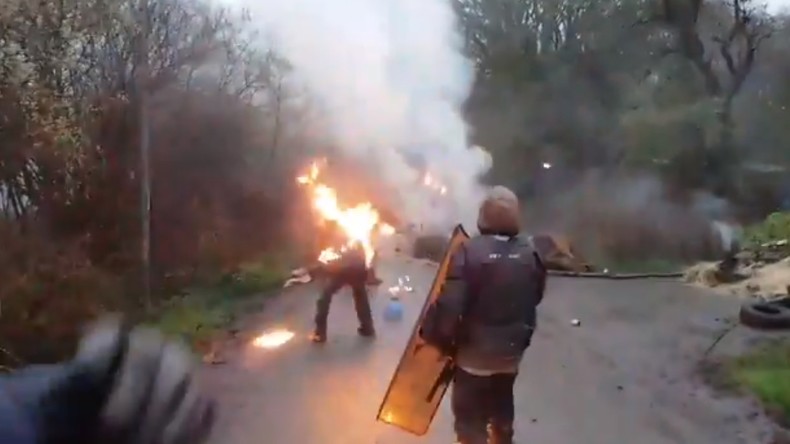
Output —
(624, 376)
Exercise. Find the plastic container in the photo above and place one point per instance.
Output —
(394, 310)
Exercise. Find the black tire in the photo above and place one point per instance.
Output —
(765, 316)
(783, 301)
(430, 247)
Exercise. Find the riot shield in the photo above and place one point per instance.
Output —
(423, 373)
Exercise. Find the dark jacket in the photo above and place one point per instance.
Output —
(485, 314)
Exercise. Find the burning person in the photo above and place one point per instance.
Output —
(485, 316)
(350, 260)
(349, 269)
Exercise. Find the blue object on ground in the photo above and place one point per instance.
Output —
(394, 310)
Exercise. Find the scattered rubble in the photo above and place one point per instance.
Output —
(762, 271)
(298, 276)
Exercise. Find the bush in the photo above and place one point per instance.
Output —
(774, 228)
(766, 374)
(255, 277)
(47, 301)
(198, 316)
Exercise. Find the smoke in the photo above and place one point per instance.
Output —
(390, 78)
(624, 217)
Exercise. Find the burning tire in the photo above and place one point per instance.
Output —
(766, 315)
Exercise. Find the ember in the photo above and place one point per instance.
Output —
(434, 184)
(357, 222)
(273, 339)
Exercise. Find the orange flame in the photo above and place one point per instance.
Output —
(357, 222)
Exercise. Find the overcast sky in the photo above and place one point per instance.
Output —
(777, 5)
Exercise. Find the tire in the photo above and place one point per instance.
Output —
(765, 316)
(783, 301)
(430, 247)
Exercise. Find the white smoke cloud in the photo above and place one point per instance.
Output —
(391, 79)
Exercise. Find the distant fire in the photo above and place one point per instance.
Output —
(434, 184)
(357, 222)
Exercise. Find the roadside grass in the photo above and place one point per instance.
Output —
(200, 313)
(775, 227)
(765, 373)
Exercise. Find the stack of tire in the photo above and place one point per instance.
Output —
(768, 315)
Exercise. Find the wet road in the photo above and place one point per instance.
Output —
(624, 376)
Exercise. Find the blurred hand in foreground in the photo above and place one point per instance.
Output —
(123, 387)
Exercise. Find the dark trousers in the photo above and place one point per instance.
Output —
(356, 280)
(483, 403)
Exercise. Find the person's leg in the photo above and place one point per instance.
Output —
(371, 278)
(502, 409)
(362, 306)
(334, 284)
(469, 404)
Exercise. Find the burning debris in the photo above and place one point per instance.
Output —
(273, 339)
(299, 276)
(404, 285)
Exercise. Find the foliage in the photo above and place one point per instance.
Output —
(71, 78)
(766, 373)
(197, 316)
(775, 227)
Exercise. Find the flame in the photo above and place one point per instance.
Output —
(273, 339)
(357, 222)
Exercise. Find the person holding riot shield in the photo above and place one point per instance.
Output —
(484, 319)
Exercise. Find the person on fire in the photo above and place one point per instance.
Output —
(123, 386)
(484, 318)
(350, 269)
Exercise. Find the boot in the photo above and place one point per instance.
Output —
(366, 332)
(318, 337)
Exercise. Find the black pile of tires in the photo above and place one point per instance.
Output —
(430, 247)
(771, 315)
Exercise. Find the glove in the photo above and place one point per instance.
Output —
(128, 387)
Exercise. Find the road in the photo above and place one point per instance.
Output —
(626, 375)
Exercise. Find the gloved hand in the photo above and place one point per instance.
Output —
(127, 387)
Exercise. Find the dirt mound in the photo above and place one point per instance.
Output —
(754, 280)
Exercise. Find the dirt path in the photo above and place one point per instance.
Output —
(624, 376)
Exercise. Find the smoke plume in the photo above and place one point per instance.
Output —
(390, 78)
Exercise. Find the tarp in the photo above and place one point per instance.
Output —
(423, 373)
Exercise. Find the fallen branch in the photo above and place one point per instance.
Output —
(614, 276)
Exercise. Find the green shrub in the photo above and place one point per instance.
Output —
(198, 316)
(775, 227)
(44, 311)
(766, 374)
(255, 277)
